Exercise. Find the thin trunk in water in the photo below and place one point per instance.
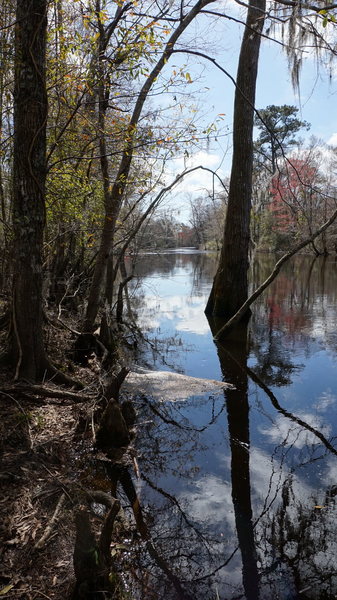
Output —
(230, 286)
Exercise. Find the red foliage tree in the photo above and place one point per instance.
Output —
(295, 196)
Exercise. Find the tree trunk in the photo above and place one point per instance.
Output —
(230, 286)
(30, 115)
(26, 343)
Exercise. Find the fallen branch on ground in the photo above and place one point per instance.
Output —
(47, 533)
(59, 324)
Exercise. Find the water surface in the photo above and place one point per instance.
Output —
(239, 488)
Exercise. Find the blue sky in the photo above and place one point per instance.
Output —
(214, 94)
(318, 93)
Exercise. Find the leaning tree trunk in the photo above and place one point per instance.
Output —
(230, 286)
(115, 199)
(30, 115)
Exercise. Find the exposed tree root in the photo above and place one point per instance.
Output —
(46, 372)
(45, 392)
(61, 378)
(114, 384)
(107, 530)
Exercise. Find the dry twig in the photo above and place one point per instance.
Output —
(42, 541)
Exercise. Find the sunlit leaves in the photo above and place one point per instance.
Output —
(328, 17)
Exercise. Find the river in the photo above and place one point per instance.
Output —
(239, 488)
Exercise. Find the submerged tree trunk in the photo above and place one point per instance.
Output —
(230, 286)
(30, 116)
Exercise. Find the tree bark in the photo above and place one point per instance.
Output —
(30, 116)
(26, 344)
(230, 286)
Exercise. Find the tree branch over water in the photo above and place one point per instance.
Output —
(224, 330)
(154, 203)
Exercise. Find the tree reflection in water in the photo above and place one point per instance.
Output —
(233, 355)
(238, 490)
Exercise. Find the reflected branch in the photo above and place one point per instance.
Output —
(120, 473)
(277, 405)
(170, 421)
(176, 503)
(288, 414)
(235, 319)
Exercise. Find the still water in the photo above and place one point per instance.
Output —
(239, 489)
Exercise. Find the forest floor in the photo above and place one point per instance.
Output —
(37, 458)
(44, 451)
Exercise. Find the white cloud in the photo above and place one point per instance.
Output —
(189, 317)
(211, 502)
(333, 140)
(200, 179)
(294, 434)
(325, 401)
(331, 474)
(267, 477)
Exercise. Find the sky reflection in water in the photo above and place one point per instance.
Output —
(231, 482)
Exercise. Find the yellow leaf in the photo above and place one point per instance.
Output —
(6, 589)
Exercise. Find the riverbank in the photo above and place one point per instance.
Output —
(47, 466)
